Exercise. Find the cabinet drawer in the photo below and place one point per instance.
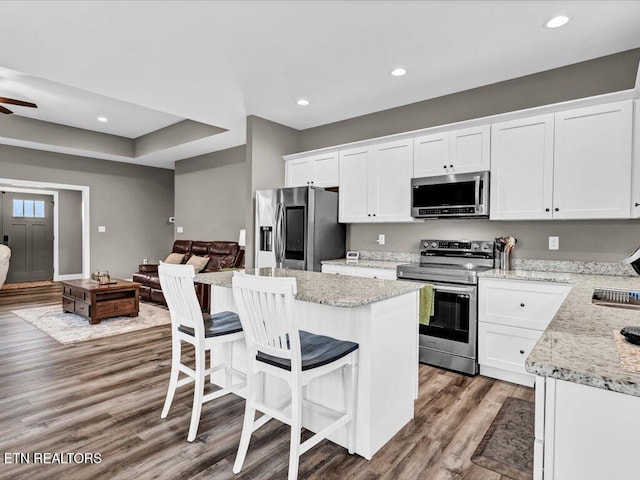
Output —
(340, 270)
(82, 309)
(68, 305)
(382, 273)
(520, 303)
(120, 306)
(505, 347)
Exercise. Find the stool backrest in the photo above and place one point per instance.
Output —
(265, 307)
(179, 292)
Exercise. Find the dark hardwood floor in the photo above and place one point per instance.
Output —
(105, 396)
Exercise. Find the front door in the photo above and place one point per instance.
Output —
(27, 228)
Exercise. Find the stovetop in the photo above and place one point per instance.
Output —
(454, 261)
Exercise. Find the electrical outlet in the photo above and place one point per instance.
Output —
(102, 229)
(381, 239)
(179, 229)
(554, 243)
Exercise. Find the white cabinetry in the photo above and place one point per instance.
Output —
(635, 202)
(584, 433)
(317, 170)
(458, 151)
(375, 183)
(568, 165)
(512, 314)
(522, 169)
(360, 271)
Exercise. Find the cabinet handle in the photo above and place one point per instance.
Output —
(521, 352)
(312, 182)
(368, 214)
(547, 209)
(522, 304)
(374, 214)
(450, 166)
(636, 204)
(557, 209)
(444, 166)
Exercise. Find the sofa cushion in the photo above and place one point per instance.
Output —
(142, 278)
(182, 246)
(154, 283)
(198, 262)
(224, 248)
(157, 296)
(200, 248)
(174, 258)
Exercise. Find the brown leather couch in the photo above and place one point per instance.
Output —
(221, 255)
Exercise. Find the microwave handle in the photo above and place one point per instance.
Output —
(478, 179)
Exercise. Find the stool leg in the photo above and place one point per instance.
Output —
(249, 417)
(228, 381)
(296, 427)
(351, 399)
(198, 393)
(173, 379)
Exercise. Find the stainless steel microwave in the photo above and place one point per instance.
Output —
(446, 196)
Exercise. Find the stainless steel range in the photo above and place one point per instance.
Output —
(449, 338)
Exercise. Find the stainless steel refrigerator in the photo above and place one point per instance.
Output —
(297, 228)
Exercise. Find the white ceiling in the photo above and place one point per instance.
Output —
(217, 62)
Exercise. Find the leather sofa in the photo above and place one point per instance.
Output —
(221, 255)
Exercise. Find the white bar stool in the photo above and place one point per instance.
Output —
(203, 332)
(276, 347)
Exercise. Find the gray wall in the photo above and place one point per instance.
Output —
(132, 201)
(69, 232)
(212, 195)
(579, 240)
(267, 142)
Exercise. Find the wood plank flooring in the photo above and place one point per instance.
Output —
(105, 396)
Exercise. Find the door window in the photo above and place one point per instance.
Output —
(28, 208)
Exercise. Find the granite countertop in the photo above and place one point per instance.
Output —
(578, 345)
(368, 263)
(325, 288)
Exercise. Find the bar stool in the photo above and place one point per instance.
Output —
(203, 332)
(276, 347)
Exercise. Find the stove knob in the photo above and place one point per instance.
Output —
(475, 245)
(486, 246)
(434, 244)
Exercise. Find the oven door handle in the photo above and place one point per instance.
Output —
(437, 288)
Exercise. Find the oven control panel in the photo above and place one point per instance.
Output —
(431, 247)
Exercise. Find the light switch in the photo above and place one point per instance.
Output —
(179, 229)
(102, 229)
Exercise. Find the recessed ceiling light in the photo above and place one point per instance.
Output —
(303, 102)
(556, 21)
(398, 72)
(103, 119)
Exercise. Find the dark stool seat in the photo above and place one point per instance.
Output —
(222, 323)
(317, 350)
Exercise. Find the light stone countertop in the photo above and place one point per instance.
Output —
(385, 264)
(578, 345)
(325, 288)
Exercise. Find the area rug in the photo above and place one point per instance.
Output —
(69, 328)
(21, 285)
(507, 447)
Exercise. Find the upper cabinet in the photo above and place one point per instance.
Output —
(375, 183)
(458, 151)
(568, 165)
(522, 169)
(316, 170)
(635, 201)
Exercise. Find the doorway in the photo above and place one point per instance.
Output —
(27, 228)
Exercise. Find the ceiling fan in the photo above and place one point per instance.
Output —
(12, 101)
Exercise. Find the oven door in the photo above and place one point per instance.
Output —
(453, 326)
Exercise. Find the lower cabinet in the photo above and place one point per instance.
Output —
(512, 315)
(360, 271)
(584, 433)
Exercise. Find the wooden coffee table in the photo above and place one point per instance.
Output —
(95, 302)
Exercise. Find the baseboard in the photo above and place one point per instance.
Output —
(70, 276)
(508, 376)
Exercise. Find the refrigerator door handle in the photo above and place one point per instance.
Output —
(279, 235)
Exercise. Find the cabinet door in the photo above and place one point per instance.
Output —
(506, 348)
(469, 149)
(326, 170)
(635, 203)
(592, 164)
(299, 172)
(431, 155)
(355, 170)
(522, 169)
(392, 171)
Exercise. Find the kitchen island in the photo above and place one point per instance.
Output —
(587, 422)
(380, 315)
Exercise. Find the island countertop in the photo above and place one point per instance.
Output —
(579, 345)
(324, 288)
